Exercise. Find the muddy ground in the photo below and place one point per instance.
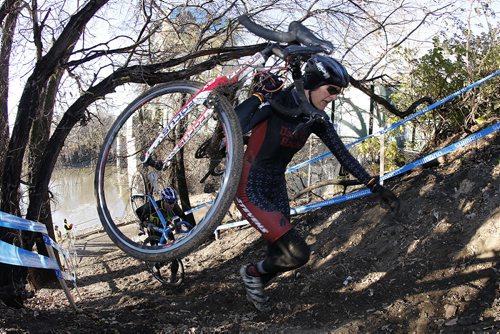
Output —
(434, 268)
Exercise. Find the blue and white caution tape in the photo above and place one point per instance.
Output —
(14, 255)
(17, 256)
(399, 123)
(365, 192)
(48, 241)
(17, 223)
(448, 149)
(332, 201)
(196, 208)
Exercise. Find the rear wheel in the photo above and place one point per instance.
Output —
(118, 194)
(169, 273)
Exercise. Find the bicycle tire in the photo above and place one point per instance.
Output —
(161, 271)
(111, 180)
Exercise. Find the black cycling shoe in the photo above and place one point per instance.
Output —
(141, 229)
(174, 268)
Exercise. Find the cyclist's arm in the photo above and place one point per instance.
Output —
(179, 213)
(143, 212)
(326, 132)
(248, 115)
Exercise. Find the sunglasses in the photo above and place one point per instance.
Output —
(334, 90)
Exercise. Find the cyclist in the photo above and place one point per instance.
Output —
(68, 239)
(262, 195)
(67, 226)
(169, 208)
(58, 234)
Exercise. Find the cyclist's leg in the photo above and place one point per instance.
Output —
(287, 250)
(287, 253)
(174, 268)
(263, 201)
(253, 198)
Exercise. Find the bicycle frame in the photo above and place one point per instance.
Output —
(166, 230)
(236, 75)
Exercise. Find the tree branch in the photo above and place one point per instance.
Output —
(7, 7)
(391, 108)
(149, 74)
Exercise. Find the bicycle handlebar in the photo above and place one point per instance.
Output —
(296, 33)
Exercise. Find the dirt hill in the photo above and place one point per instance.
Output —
(434, 268)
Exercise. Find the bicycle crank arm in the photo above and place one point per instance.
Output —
(205, 177)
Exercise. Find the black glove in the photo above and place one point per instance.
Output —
(386, 197)
(267, 83)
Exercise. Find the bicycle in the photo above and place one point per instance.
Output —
(168, 273)
(185, 123)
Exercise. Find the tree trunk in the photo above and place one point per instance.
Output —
(5, 51)
(7, 8)
(182, 187)
(29, 104)
(11, 277)
(38, 143)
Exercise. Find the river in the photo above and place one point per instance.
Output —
(74, 199)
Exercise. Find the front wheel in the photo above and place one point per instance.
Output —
(128, 140)
(169, 273)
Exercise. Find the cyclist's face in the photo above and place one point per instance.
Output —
(169, 205)
(321, 96)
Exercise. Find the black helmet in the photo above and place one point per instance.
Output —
(323, 70)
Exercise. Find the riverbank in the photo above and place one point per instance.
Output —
(74, 200)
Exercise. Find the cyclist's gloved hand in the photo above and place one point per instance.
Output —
(267, 83)
(387, 197)
(183, 226)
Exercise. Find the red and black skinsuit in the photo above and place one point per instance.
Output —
(262, 195)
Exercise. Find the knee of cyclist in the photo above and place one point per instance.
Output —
(298, 252)
(301, 255)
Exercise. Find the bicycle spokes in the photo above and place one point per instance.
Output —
(128, 143)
